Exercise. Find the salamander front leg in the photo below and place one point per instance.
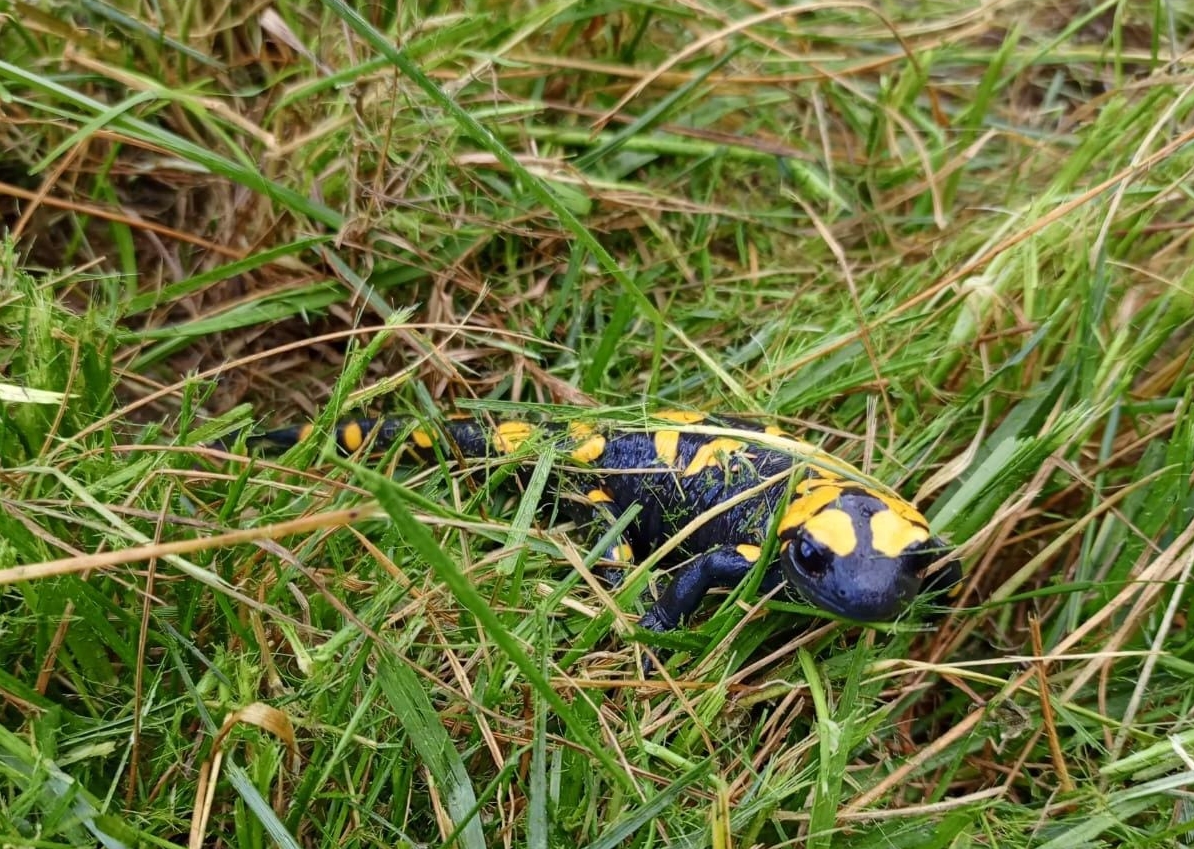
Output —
(725, 566)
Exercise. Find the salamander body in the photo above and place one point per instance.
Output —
(844, 542)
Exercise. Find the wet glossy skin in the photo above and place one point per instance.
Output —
(847, 547)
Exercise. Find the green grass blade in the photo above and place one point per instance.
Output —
(392, 498)
(424, 728)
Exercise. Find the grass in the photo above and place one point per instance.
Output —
(950, 243)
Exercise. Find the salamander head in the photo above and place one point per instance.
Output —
(858, 552)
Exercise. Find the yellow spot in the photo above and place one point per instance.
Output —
(679, 416)
(772, 430)
(804, 508)
(599, 496)
(750, 552)
(818, 479)
(902, 509)
(510, 436)
(834, 529)
(623, 553)
(892, 532)
(351, 436)
(422, 438)
(305, 432)
(711, 452)
(590, 445)
(667, 446)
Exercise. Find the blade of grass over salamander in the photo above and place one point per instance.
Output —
(514, 563)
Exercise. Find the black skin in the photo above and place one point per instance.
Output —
(630, 473)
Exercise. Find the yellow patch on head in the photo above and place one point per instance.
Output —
(892, 532)
(421, 438)
(590, 444)
(351, 436)
(902, 509)
(599, 496)
(711, 454)
(667, 446)
(772, 430)
(509, 436)
(816, 481)
(679, 416)
(834, 529)
(805, 507)
(304, 432)
(750, 552)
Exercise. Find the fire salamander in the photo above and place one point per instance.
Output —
(845, 544)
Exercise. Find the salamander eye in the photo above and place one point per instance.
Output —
(809, 557)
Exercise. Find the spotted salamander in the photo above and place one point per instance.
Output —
(844, 543)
